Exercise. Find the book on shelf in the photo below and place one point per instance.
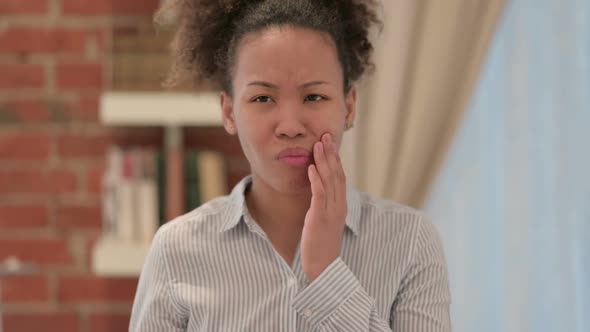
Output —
(135, 189)
(161, 171)
(193, 197)
(211, 170)
(206, 177)
(147, 195)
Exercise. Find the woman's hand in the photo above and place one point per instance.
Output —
(324, 222)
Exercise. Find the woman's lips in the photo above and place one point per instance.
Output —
(296, 161)
(296, 157)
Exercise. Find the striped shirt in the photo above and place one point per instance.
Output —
(214, 269)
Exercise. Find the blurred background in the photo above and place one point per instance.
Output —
(478, 113)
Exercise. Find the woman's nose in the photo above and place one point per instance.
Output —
(290, 128)
(290, 124)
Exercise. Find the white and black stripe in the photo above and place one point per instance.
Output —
(214, 269)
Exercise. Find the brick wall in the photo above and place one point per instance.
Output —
(56, 58)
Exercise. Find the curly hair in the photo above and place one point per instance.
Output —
(208, 32)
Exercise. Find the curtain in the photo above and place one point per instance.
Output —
(427, 59)
(512, 201)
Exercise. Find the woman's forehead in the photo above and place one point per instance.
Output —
(287, 53)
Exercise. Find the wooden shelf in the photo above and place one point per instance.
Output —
(116, 258)
(160, 109)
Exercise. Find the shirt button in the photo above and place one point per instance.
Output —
(291, 282)
(307, 313)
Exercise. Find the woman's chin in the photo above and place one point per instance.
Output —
(295, 184)
(292, 182)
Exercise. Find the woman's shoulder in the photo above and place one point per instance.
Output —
(390, 216)
(204, 218)
(386, 207)
(410, 230)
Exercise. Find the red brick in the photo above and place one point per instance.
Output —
(94, 179)
(109, 322)
(109, 7)
(91, 241)
(97, 144)
(15, 76)
(25, 216)
(87, 7)
(79, 76)
(86, 109)
(23, 6)
(28, 111)
(40, 251)
(24, 146)
(24, 289)
(47, 322)
(51, 110)
(48, 182)
(43, 40)
(79, 217)
(103, 36)
(79, 146)
(123, 31)
(84, 289)
(135, 7)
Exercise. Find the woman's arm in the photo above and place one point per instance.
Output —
(336, 301)
(154, 308)
(424, 299)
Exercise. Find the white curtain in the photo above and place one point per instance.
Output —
(512, 201)
(427, 60)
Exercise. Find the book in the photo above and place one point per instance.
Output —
(211, 170)
(146, 203)
(136, 184)
(126, 193)
(161, 179)
(110, 181)
(192, 194)
(175, 184)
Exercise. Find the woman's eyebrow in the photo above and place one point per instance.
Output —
(314, 83)
(264, 84)
(276, 87)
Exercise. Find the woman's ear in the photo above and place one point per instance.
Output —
(350, 108)
(227, 112)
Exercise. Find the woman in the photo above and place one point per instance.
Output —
(292, 248)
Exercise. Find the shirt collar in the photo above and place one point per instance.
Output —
(237, 207)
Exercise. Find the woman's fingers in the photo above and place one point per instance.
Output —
(330, 154)
(323, 169)
(339, 177)
(329, 169)
(318, 194)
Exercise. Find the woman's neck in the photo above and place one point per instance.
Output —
(277, 213)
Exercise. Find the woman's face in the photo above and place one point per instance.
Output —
(287, 92)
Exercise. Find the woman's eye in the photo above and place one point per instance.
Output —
(263, 99)
(314, 98)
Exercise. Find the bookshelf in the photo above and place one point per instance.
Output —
(170, 110)
(173, 111)
(112, 257)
